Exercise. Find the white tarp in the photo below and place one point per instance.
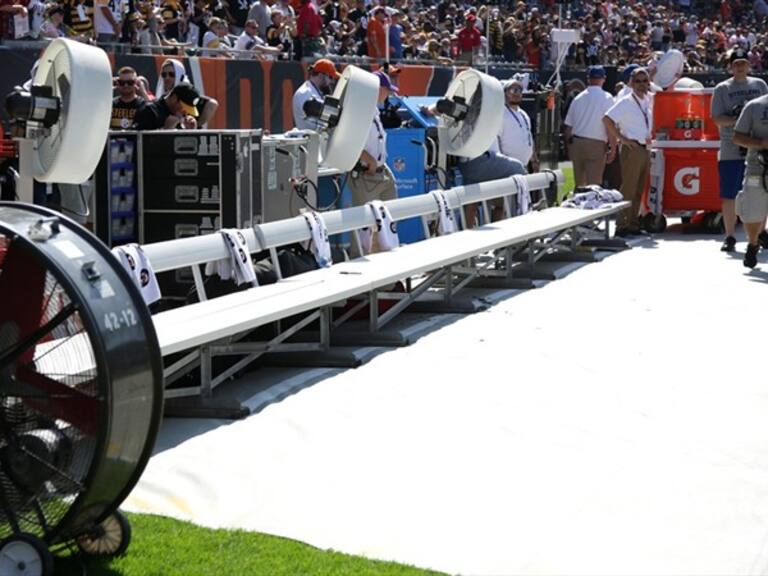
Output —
(613, 422)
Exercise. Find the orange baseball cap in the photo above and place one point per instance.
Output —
(325, 66)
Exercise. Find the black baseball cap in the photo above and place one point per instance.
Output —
(737, 54)
(188, 97)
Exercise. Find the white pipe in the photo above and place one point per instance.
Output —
(184, 252)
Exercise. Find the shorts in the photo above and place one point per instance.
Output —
(731, 177)
(366, 187)
(752, 201)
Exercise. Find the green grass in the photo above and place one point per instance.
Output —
(165, 547)
(567, 187)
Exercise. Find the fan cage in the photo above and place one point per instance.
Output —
(45, 456)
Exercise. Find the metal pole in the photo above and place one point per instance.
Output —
(25, 190)
(386, 42)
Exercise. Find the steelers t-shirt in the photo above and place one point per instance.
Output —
(124, 113)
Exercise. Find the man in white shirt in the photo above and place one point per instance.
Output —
(250, 41)
(629, 122)
(585, 132)
(108, 20)
(322, 76)
(515, 138)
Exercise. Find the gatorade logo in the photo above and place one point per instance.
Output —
(687, 181)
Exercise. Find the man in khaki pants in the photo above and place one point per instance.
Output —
(629, 123)
(585, 131)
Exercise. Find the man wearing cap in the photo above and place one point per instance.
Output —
(372, 179)
(469, 39)
(322, 77)
(585, 132)
(728, 100)
(515, 138)
(177, 109)
(629, 121)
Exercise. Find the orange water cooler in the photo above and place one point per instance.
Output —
(684, 177)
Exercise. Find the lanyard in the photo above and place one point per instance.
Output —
(380, 132)
(645, 114)
(526, 128)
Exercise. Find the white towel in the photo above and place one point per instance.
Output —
(446, 224)
(320, 246)
(523, 195)
(593, 197)
(133, 259)
(239, 264)
(386, 229)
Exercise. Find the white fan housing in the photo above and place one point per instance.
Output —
(669, 68)
(473, 134)
(357, 92)
(81, 77)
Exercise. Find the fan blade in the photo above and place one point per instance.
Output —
(60, 401)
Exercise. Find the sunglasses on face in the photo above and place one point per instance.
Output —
(515, 90)
(168, 74)
(126, 82)
(640, 80)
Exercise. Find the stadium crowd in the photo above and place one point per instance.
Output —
(613, 32)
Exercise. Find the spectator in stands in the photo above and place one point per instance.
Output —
(728, 101)
(372, 179)
(171, 12)
(9, 11)
(127, 103)
(376, 34)
(80, 18)
(585, 132)
(53, 26)
(250, 41)
(629, 122)
(396, 36)
(309, 26)
(216, 40)
(108, 20)
(280, 33)
(322, 78)
(177, 109)
(261, 11)
(469, 40)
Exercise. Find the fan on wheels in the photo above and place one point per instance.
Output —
(80, 367)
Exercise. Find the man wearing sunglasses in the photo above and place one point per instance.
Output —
(177, 109)
(629, 122)
(127, 102)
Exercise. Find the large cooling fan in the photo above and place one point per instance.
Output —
(80, 388)
(470, 114)
(344, 118)
(80, 367)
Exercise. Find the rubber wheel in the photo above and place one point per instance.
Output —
(654, 223)
(25, 555)
(108, 539)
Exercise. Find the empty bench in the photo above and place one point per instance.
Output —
(214, 327)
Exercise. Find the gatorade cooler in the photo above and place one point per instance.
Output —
(684, 115)
(684, 177)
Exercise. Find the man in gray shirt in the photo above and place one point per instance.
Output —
(728, 100)
(751, 132)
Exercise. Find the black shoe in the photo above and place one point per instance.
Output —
(729, 245)
(750, 258)
(622, 232)
(762, 238)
